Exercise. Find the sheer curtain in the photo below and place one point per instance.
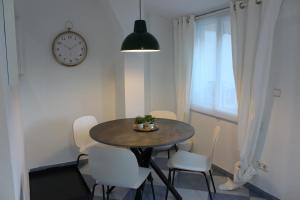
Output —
(183, 29)
(213, 87)
(253, 26)
(184, 47)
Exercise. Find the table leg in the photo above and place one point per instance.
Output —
(144, 159)
(165, 180)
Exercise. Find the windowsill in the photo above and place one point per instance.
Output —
(214, 116)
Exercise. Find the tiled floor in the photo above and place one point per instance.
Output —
(190, 185)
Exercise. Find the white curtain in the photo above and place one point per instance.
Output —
(183, 54)
(253, 25)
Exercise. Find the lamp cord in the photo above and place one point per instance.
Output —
(140, 9)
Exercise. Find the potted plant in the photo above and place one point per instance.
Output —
(149, 119)
(139, 121)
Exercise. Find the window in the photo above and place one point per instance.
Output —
(213, 87)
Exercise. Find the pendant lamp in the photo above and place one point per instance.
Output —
(140, 40)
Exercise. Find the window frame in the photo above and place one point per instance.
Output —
(218, 114)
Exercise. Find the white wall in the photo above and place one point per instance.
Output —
(54, 95)
(134, 81)
(160, 85)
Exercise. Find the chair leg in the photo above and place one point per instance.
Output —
(139, 191)
(150, 178)
(207, 183)
(173, 178)
(168, 153)
(78, 158)
(169, 183)
(138, 196)
(93, 191)
(107, 192)
(176, 147)
(110, 189)
(103, 192)
(212, 181)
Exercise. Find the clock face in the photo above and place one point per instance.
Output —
(69, 48)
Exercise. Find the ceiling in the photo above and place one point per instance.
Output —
(175, 8)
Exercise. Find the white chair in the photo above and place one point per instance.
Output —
(186, 145)
(117, 167)
(187, 161)
(81, 130)
(165, 115)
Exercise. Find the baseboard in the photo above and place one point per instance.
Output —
(66, 164)
(250, 186)
(259, 191)
(222, 171)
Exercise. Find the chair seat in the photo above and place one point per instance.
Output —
(189, 161)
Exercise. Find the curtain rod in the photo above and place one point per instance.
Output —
(212, 11)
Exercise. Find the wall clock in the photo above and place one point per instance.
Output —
(69, 48)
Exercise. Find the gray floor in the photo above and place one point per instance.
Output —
(190, 185)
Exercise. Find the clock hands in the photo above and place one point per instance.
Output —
(67, 47)
(73, 46)
(70, 48)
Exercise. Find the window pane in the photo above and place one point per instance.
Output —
(204, 74)
(213, 86)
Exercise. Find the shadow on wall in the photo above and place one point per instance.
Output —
(50, 142)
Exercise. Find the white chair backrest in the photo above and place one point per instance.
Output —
(163, 114)
(113, 165)
(216, 135)
(81, 129)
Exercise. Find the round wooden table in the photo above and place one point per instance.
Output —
(121, 133)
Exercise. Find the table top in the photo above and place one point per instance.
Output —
(120, 132)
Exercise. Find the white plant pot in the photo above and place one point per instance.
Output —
(140, 126)
(151, 126)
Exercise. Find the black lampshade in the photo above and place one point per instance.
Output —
(140, 40)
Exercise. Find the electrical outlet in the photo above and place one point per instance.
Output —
(262, 166)
(276, 92)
